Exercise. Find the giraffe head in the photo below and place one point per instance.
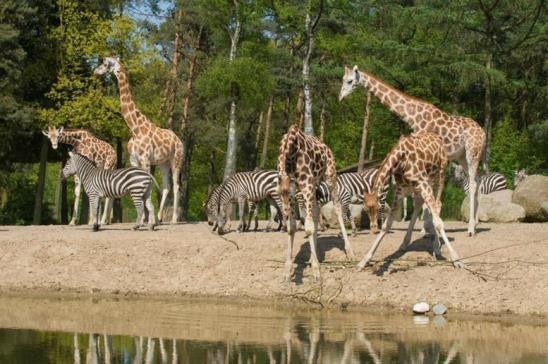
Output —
(351, 80)
(53, 135)
(110, 65)
(371, 203)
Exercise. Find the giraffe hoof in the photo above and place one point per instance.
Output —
(95, 227)
(458, 264)
(72, 223)
(136, 227)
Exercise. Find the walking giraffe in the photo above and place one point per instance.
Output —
(308, 161)
(85, 143)
(417, 163)
(149, 144)
(463, 138)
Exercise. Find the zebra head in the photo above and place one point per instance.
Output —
(519, 176)
(53, 134)
(70, 168)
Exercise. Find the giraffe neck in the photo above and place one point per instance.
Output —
(386, 169)
(408, 108)
(133, 117)
(70, 137)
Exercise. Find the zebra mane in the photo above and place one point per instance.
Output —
(86, 158)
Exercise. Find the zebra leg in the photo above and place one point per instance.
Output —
(152, 222)
(77, 190)
(94, 211)
(164, 170)
(273, 213)
(252, 211)
(138, 203)
(241, 213)
(105, 220)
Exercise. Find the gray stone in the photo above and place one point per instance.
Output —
(439, 309)
(495, 207)
(532, 195)
(421, 307)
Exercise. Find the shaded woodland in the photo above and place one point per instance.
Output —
(230, 76)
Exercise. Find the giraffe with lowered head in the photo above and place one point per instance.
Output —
(308, 161)
(463, 138)
(86, 144)
(149, 144)
(417, 163)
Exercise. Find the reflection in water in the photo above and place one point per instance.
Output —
(207, 333)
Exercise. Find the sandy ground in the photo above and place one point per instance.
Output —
(507, 267)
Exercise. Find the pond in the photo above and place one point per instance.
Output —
(54, 330)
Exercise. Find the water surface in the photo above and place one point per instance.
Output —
(41, 330)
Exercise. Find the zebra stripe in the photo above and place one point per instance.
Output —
(252, 186)
(487, 183)
(100, 182)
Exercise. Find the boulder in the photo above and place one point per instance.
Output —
(532, 195)
(421, 307)
(495, 207)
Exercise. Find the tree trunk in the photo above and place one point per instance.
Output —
(60, 212)
(309, 26)
(185, 177)
(190, 81)
(258, 137)
(361, 158)
(372, 150)
(117, 212)
(308, 126)
(211, 172)
(38, 201)
(322, 123)
(300, 109)
(230, 163)
(168, 102)
(488, 125)
(267, 132)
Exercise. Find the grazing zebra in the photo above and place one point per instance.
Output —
(488, 183)
(359, 183)
(252, 186)
(519, 176)
(210, 205)
(323, 196)
(100, 182)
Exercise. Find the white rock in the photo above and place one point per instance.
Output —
(439, 309)
(421, 307)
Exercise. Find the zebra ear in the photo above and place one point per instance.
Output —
(60, 130)
(71, 154)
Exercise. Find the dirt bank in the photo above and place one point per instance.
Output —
(507, 266)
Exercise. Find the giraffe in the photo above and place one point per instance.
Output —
(463, 138)
(417, 163)
(306, 159)
(149, 144)
(86, 144)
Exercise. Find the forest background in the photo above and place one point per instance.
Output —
(229, 77)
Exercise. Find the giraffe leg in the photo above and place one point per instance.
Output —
(94, 211)
(287, 215)
(331, 181)
(435, 208)
(176, 175)
(77, 190)
(472, 164)
(164, 170)
(313, 241)
(417, 201)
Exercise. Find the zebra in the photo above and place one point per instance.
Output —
(360, 182)
(252, 186)
(323, 196)
(100, 182)
(488, 183)
(519, 176)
